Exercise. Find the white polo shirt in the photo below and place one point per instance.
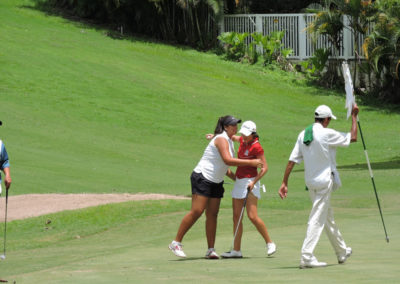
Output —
(211, 164)
(320, 156)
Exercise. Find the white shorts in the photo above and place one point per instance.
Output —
(240, 189)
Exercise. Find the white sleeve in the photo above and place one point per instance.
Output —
(296, 155)
(338, 139)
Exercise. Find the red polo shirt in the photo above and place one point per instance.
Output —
(248, 151)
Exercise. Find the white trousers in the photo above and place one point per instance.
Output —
(321, 217)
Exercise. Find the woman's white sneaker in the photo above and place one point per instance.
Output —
(211, 254)
(271, 248)
(232, 254)
(176, 248)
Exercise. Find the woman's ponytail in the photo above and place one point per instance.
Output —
(220, 126)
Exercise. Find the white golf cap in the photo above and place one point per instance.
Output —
(324, 111)
(248, 127)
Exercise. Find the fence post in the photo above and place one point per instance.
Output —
(221, 25)
(347, 39)
(259, 27)
(302, 36)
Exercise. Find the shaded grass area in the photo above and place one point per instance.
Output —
(393, 163)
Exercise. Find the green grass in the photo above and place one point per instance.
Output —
(135, 249)
(84, 112)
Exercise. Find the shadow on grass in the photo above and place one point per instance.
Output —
(221, 259)
(387, 165)
(288, 267)
(369, 101)
(188, 259)
(394, 163)
(108, 30)
(306, 268)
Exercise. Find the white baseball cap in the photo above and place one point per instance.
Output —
(324, 111)
(248, 127)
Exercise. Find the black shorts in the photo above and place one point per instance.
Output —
(202, 186)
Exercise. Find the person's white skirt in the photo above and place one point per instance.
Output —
(240, 188)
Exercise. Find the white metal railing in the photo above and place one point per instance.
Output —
(296, 36)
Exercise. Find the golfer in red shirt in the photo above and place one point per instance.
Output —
(248, 178)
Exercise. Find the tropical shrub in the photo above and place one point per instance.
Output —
(270, 47)
(316, 64)
(234, 45)
(273, 47)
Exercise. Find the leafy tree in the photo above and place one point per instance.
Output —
(200, 18)
(359, 13)
(281, 6)
(329, 23)
(382, 49)
(191, 22)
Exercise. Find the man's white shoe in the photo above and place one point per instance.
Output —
(342, 259)
(232, 254)
(176, 248)
(211, 254)
(311, 264)
(271, 248)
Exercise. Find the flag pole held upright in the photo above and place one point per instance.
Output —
(372, 179)
(350, 101)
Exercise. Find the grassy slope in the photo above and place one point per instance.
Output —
(86, 113)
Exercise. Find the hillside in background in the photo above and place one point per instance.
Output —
(84, 112)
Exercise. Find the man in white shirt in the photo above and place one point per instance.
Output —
(316, 145)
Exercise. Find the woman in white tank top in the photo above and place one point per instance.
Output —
(207, 183)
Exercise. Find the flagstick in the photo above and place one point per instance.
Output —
(350, 101)
(372, 178)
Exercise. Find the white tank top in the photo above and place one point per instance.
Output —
(211, 164)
